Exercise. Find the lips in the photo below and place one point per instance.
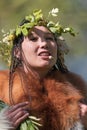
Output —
(44, 55)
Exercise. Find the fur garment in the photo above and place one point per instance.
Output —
(54, 99)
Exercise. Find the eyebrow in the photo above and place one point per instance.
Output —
(31, 34)
(46, 33)
(49, 33)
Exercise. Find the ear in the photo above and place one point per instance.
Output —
(17, 53)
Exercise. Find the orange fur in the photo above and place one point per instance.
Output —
(54, 99)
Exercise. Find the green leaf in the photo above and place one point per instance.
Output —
(52, 29)
(28, 25)
(29, 123)
(50, 24)
(2, 105)
(36, 128)
(18, 31)
(70, 30)
(31, 128)
(24, 31)
(23, 126)
(30, 18)
(38, 14)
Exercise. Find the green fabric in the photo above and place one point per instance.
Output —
(2, 105)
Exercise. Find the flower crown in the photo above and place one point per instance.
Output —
(36, 18)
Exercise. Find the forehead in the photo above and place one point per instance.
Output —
(40, 30)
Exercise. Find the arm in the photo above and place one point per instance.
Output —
(11, 117)
(83, 108)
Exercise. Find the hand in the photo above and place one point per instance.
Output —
(17, 113)
(83, 109)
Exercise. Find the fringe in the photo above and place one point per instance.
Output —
(78, 126)
(5, 124)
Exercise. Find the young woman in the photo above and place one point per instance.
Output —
(39, 83)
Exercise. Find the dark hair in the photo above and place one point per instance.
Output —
(17, 62)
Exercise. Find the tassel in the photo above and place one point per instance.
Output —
(5, 124)
(78, 126)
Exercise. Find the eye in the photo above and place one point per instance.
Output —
(33, 38)
(50, 38)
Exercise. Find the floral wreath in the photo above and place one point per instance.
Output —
(35, 19)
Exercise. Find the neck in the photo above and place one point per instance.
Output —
(36, 72)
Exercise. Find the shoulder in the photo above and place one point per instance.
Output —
(75, 79)
(71, 77)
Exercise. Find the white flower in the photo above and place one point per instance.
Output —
(54, 12)
(66, 29)
(5, 40)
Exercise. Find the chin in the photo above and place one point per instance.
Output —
(46, 65)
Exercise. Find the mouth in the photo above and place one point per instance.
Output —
(44, 55)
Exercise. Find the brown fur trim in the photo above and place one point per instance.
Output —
(54, 99)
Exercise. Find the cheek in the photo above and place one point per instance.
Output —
(29, 53)
(27, 48)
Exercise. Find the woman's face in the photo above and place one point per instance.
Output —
(40, 49)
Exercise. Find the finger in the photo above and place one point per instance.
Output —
(19, 105)
(10, 113)
(15, 107)
(21, 111)
(20, 115)
(21, 119)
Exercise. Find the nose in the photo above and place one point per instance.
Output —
(43, 44)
